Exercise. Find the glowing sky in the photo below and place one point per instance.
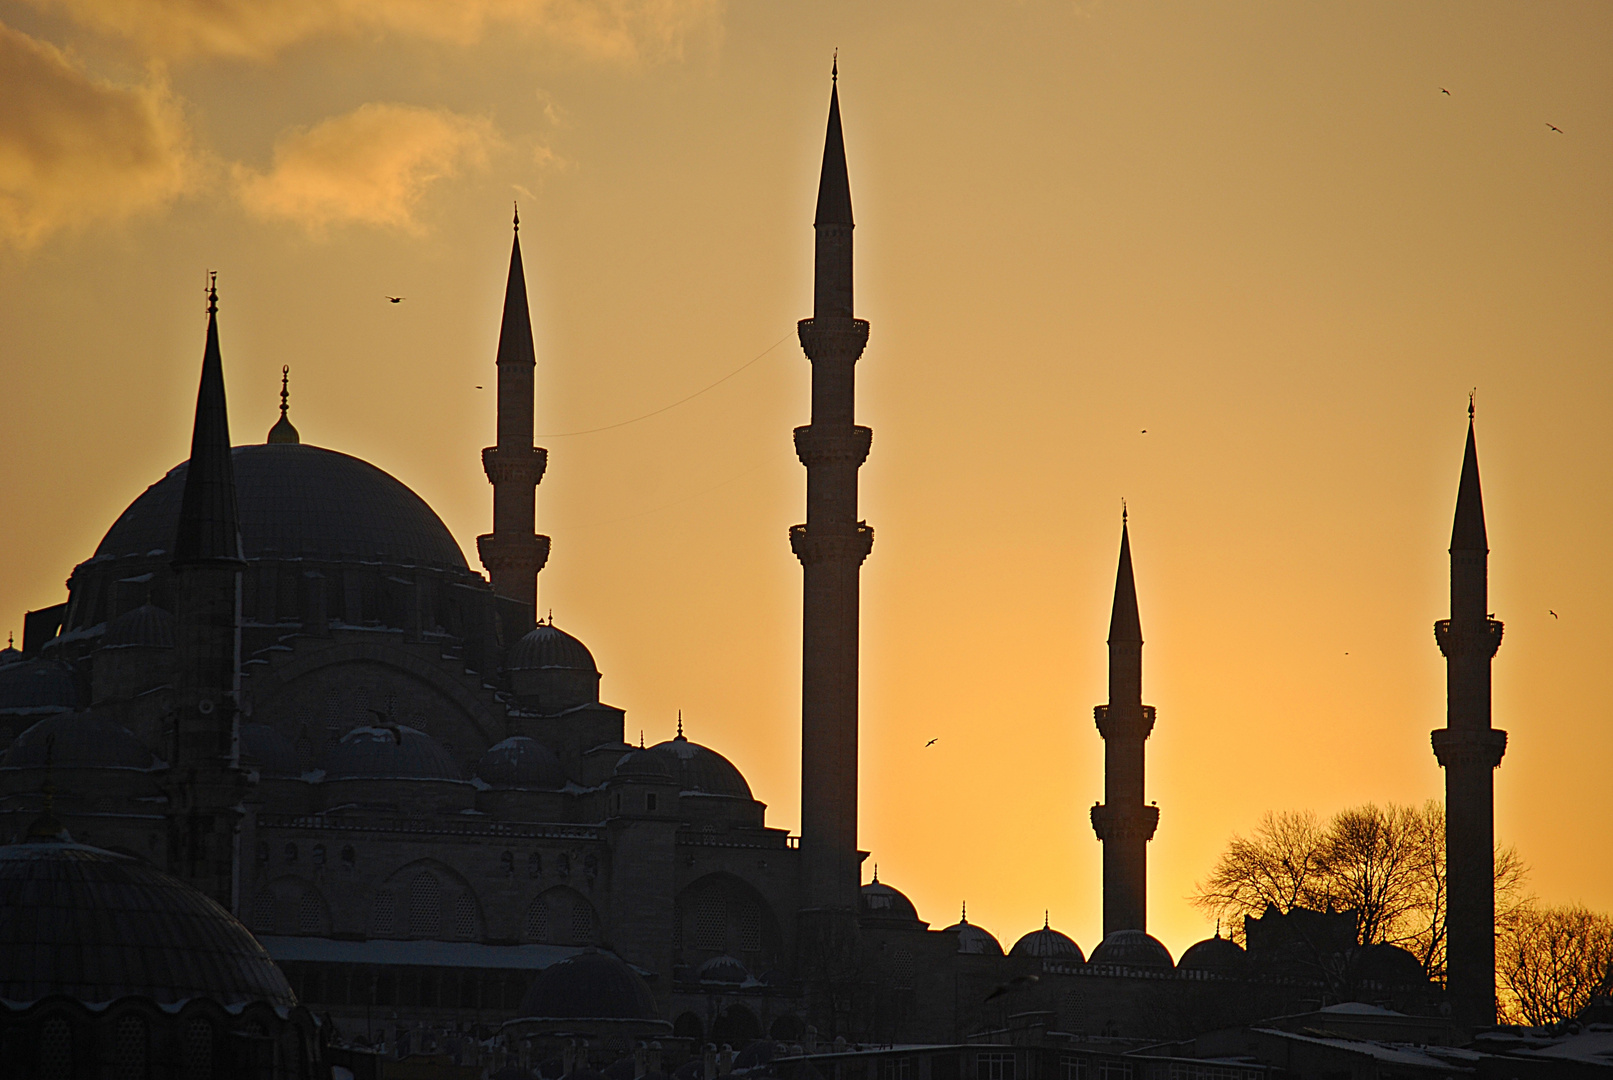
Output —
(1261, 232)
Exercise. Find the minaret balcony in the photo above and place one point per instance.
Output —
(515, 466)
(1124, 822)
(1467, 638)
(1124, 721)
(819, 445)
(502, 551)
(1483, 748)
(820, 546)
(833, 338)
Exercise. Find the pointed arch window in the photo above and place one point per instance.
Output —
(425, 906)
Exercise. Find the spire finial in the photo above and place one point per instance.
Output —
(680, 723)
(285, 392)
(212, 292)
(1470, 395)
(1122, 511)
(283, 431)
(876, 873)
(517, 215)
(11, 639)
(965, 917)
(834, 68)
(641, 738)
(1046, 918)
(551, 616)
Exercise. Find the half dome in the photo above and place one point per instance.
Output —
(393, 752)
(521, 762)
(146, 627)
(592, 985)
(97, 927)
(723, 969)
(697, 768)
(80, 742)
(1133, 949)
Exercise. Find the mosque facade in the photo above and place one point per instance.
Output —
(279, 679)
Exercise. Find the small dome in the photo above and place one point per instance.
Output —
(975, 941)
(697, 768)
(98, 927)
(881, 903)
(391, 752)
(81, 742)
(545, 647)
(10, 655)
(1132, 948)
(265, 749)
(1389, 965)
(1218, 955)
(645, 765)
(147, 626)
(521, 762)
(723, 969)
(1048, 944)
(38, 686)
(592, 985)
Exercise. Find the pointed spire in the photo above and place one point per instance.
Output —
(680, 723)
(1124, 623)
(1046, 918)
(834, 187)
(876, 873)
(515, 332)
(1467, 534)
(283, 432)
(965, 918)
(209, 523)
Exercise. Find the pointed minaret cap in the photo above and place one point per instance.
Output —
(283, 432)
(834, 188)
(515, 332)
(1467, 534)
(1124, 623)
(209, 522)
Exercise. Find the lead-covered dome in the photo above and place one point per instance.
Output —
(300, 502)
(1217, 955)
(698, 768)
(1048, 944)
(97, 927)
(521, 762)
(39, 687)
(592, 985)
(392, 752)
(973, 940)
(77, 741)
(1133, 949)
(552, 670)
(644, 765)
(882, 904)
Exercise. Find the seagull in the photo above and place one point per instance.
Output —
(932, 742)
(397, 299)
(1444, 91)
(1018, 982)
(1550, 612)
(478, 388)
(1555, 128)
(1145, 431)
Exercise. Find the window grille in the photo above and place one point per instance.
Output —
(263, 912)
(582, 922)
(994, 1067)
(129, 1054)
(55, 1059)
(425, 906)
(749, 927)
(537, 920)
(902, 964)
(310, 914)
(383, 916)
(1114, 1070)
(464, 918)
(1072, 1067)
(198, 1050)
(1072, 1013)
(711, 923)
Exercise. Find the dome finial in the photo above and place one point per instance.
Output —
(876, 873)
(1046, 918)
(964, 919)
(641, 738)
(680, 723)
(283, 431)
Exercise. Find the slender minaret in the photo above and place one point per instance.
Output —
(831, 546)
(205, 782)
(1469, 749)
(1122, 821)
(513, 552)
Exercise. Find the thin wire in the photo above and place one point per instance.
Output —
(679, 501)
(675, 404)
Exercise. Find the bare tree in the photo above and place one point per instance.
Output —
(1281, 864)
(1551, 960)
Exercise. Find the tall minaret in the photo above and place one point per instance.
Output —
(1122, 821)
(1469, 749)
(513, 552)
(205, 782)
(831, 546)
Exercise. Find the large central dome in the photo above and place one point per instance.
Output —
(301, 502)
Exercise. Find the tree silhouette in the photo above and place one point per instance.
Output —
(1551, 961)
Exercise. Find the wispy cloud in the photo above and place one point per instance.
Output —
(75, 149)
(371, 165)
(625, 30)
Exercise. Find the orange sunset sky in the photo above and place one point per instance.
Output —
(1260, 231)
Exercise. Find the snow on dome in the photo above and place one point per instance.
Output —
(81, 742)
(521, 762)
(723, 969)
(644, 765)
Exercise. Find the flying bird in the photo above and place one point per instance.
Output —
(932, 742)
(1444, 91)
(397, 299)
(1550, 612)
(1555, 128)
(1145, 431)
(478, 388)
(1018, 982)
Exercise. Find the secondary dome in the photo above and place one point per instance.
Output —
(592, 985)
(80, 742)
(975, 941)
(97, 927)
(38, 686)
(1389, 965)
(552, 670)
(300, 502)
(1217, 955)
(521, 762)
(644, 765)
(547, 646)
(392, 752)
(1134, 949)
(697, 768)
(146, 627)
(881, 903)
(723, 969)
(1048, 944)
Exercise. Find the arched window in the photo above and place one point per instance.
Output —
(425, 906)
(55, 1058)
(129, 1048)
(383, 915)
(711, 923)
(198, 1050)
(464, 917)
(748, 925)
(534, 864)
(582, 922)
(536, 926)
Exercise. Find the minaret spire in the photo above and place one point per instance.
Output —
(205, 783)
(1469, 750)
(831, 546)
(514, 552)
(283, 432)
(1122, 821)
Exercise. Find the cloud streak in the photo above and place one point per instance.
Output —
(369, 166)
(621, 30)
(75, 149)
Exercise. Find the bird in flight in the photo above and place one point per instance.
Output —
(1145, 431)
(478, 388)
(1018, 982)
(397, 299)
(1555, 128)
(932, 742)
(1550, 612)
(1444, 91)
